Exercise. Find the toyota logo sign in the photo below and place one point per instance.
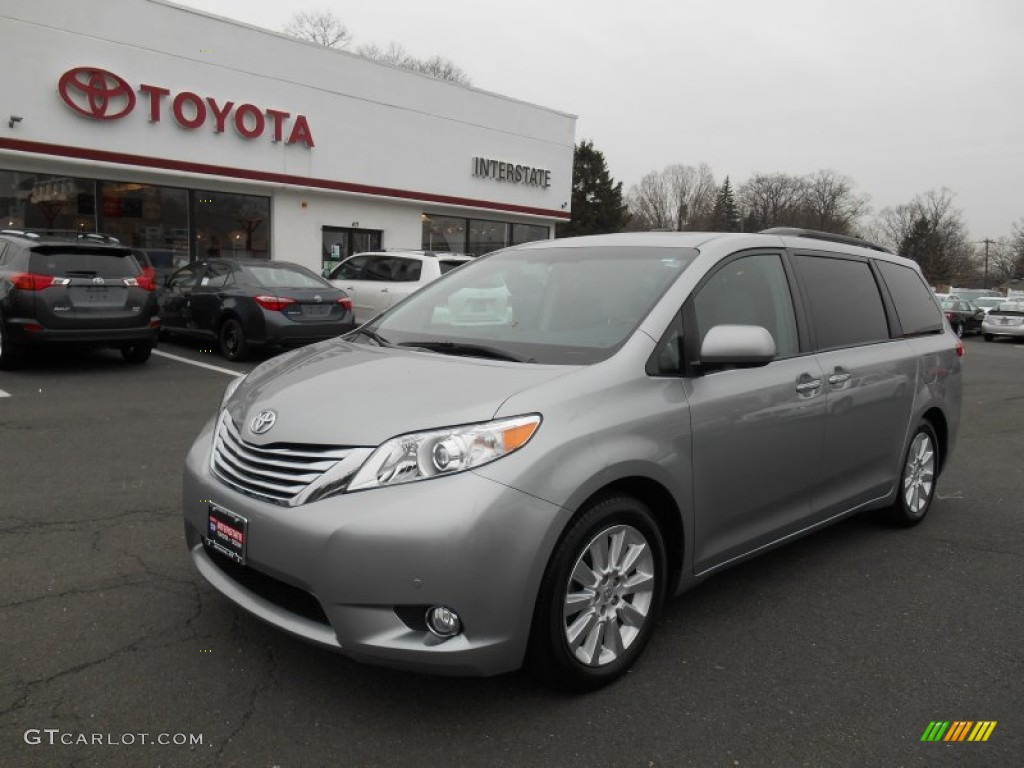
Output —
(96, 93)
(101, 95)
(263, 422)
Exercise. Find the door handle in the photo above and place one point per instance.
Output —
(807, 385)
(839, 376)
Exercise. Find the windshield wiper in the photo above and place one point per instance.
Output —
(381, 341)
(467, 350)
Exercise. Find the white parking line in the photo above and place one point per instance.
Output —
(196, 363)
(4, 394)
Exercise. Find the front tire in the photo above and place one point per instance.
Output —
(232, 340)
(917, 479)
(958, 329)
(600, 596)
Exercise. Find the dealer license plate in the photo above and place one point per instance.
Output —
(226, 533)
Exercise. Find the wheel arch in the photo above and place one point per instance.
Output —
(666, 513)
(937, 420)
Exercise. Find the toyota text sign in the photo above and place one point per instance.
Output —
(101, 95)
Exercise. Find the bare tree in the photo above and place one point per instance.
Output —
(435, 66)
(322, 27)
(772, 200)
(830, 203)
(679, 198)
(1010, 254)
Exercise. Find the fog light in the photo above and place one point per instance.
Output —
(443, 622)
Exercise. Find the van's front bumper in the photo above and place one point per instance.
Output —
(357, 572)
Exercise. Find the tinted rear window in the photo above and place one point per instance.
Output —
(281, 276)
(915, 306)
(448, 266)
(84, 262)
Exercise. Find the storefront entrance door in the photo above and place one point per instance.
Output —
(341, 242)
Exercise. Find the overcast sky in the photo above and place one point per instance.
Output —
(902, 96)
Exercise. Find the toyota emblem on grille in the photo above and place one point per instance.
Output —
(317, 298)
(97, 281)
(263, 422)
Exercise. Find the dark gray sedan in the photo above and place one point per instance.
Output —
(244, 303)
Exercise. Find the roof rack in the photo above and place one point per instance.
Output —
(62, 234)
(819, 235)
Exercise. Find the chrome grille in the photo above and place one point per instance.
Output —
(277, 472)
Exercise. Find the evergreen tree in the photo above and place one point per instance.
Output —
(725, 217)
(597, 205)
(923, 244)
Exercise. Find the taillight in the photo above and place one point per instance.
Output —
(142, 281)
(346, 303)
(273, 302)
(949, 316)
(27, 281)
(959, 348)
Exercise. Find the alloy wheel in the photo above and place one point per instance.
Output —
(919, 474)
(609, 595)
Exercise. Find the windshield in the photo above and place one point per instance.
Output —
(556, 305)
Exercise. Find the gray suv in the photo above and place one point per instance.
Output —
(530, 484)
(66, 288)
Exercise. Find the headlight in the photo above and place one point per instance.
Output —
(229, 390)
(423, 455)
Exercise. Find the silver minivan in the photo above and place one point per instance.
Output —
(460, 491)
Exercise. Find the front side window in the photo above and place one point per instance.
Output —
(751, 290)
(218, 275)
(182, 278)
(351, 269)
(846, 307)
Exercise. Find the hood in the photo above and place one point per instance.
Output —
(339, 393)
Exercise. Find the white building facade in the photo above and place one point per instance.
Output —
(190, 135)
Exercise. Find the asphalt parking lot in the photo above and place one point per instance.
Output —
(837, 650)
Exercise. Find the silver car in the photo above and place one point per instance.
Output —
(648, 409)
(1007, 319)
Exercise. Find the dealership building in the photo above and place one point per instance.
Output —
(191, 135)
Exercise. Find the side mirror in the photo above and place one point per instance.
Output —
(737, 345)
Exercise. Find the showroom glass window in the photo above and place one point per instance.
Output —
(486, 236)
(846, 307)
(228, 225)
(45, 201)
(443, 234)
(527, 233)
(151, 218)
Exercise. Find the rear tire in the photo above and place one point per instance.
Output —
(12, 355)
(232, 340)
(137, 354)
(958, 329)
(600, 596)
(917, 479)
